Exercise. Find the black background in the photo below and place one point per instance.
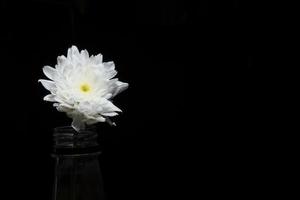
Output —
(187, 115)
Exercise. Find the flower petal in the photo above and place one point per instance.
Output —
(107, 96)
(110, 74)
(109, 65)
(61, 60)
(78, 123)
(91, 121)
(49, 85)
(108, 106)
(98, 59)
(119, 87)
(50, 97)
(84, 54)
(73, 52)
(49, 72)
(100, 119)
(64, 108)
(109, 114)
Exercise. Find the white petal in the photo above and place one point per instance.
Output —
(106, 74)
(97, 108)
(110, 74)
(50, 97)
(98, 59)
(119, 87)
(109, 114)
(85, 54)
(108, 106)
(109, 65)
(100, 119)
(56, 104)
(49, 72)
(112, 84)
(63, 108)
(67, 105)
(107, 96)
(84, 107)
(111, 123)
(91, 121)
(49, 85)
(61, 60)
(78, 123)
(59, 68)
(72, 52)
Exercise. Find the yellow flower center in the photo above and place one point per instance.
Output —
(85, 88)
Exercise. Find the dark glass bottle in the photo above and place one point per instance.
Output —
(77, 170)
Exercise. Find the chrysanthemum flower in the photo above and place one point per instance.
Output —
(83, 86)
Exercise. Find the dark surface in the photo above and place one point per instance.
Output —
(187, 115)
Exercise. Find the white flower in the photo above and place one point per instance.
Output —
(82, 86)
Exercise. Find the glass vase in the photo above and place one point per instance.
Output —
(77, 169)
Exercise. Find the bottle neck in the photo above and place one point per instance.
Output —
(67, 140)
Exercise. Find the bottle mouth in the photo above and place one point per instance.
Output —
(65, 137)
